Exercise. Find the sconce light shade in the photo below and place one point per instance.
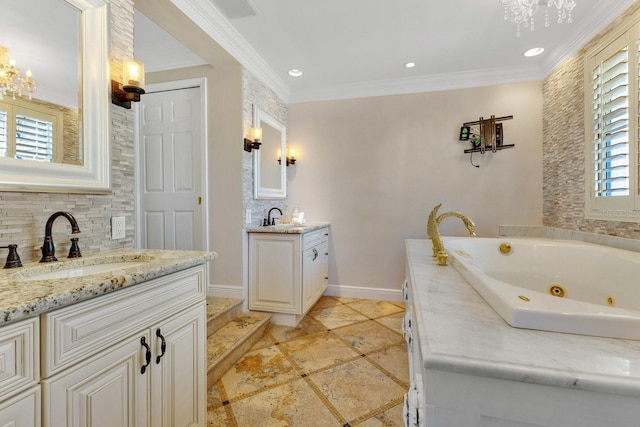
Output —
(290, 158)
(253, 143)
(129, 91)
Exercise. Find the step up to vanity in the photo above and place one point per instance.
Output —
(231, 333)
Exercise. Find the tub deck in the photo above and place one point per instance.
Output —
(475, 365)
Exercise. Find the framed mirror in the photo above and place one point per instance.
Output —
(270, 174)
(76, 78)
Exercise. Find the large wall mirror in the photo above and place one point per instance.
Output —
(270, 175)
(57, 139)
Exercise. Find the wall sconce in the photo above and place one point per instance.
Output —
(122, 94)
(290, 159)
(253, 143)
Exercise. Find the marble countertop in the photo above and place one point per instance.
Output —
(288, 229)
(459, 332)
(21, 298)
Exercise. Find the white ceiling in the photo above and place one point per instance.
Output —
(352, 48)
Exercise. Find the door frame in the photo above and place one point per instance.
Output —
(201, 83)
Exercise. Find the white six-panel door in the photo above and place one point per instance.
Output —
(170, 171)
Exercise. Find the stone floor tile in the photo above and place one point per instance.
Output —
(291, 404)
(368, 336)
(374, 309)
(393, 321)
(334, 317)
(307, 326)
(394, 360)
(357, 387)
(256, 370)
(389, 418)
(317, 351)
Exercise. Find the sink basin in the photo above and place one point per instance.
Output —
(78, 271)
(79, 268)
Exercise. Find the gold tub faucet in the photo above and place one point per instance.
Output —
(433, 231)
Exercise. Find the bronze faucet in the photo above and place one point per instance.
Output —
(48, 250)
(13, 259)
(272, 221)
(433, 231)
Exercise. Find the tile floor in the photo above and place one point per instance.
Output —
(345, 364)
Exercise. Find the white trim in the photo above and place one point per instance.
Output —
(201, 83)
(380, 294)
(214, 23)
(225, 291)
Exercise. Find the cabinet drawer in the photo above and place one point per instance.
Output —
(314, 238)
(19, 356)
(79, 331)
(22, 410)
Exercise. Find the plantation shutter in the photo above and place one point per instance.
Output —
(34, 138)
(3, 133)
(611, 142)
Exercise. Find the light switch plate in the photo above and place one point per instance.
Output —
(118, 227)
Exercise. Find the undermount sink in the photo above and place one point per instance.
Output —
(78, 268)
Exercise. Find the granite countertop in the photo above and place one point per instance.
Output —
(459, 332)
(285, 229)
(21, 298)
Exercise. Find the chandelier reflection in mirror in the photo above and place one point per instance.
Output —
(11, 81)
(522, 12)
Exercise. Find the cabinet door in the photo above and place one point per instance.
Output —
(178, 367)
(274, 273)
(107, 390)
(22, 410)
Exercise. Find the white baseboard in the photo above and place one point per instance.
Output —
(364, 293)
(224, 291)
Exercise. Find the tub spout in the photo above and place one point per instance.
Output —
(433, 231)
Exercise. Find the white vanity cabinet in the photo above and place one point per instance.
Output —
(135, 357)
(19, 374)
(288, 272)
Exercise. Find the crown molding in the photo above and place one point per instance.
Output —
(216, 25)
(430, 83)
(590, 27)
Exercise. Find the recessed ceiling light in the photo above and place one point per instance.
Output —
(295, 73)
(409, 65)
(534, 52)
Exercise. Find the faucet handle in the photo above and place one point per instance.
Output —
(74, 250)
(13, 259)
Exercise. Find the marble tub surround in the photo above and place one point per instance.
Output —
(562, 234)
(21, 297)
(344, 364)
(288, 229)
(460, 336)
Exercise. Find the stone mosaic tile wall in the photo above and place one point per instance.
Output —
(23, 215)
(259, 95)
(563, 148)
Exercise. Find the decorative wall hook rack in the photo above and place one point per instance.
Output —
(485, 134)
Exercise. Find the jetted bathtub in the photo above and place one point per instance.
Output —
(553, 285)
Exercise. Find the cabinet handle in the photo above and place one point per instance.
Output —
(315, 254)
(163, 345)
(147, 355)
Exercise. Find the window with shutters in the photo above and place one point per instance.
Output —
(611, 127)
(30, 131)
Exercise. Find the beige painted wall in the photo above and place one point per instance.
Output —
(375, 167)
(224, 150)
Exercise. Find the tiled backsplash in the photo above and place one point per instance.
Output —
(564, 146)
(23, 215)
(259, 95)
